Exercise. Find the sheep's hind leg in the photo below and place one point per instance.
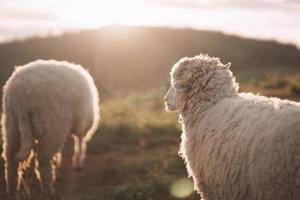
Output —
(11, 173)
(45, 169)
(58, 161)
(76, 153)
(82, 155)
(11, 147)
(80, 145)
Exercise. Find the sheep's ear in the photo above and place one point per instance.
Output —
(228, 65)
(187, 76)
(179, 87)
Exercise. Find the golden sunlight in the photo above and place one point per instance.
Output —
(262, 19)
(95, 13)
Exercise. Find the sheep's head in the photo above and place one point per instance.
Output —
(199, 79)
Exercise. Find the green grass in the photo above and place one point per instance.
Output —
(134, 121)
(84, 197)
(276, 85)
(150, 178)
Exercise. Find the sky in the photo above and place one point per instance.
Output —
(264, 19)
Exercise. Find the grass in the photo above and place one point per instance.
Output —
(276, 85)
(84, 197)
(134, 121)
(151, 178)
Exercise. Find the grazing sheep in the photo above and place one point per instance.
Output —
(45, 102)
(235, 145)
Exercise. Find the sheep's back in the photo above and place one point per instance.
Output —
(54, 89)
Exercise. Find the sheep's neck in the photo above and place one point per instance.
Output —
(191, 114)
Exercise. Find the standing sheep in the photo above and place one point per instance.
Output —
(237, 146)
(45, 102)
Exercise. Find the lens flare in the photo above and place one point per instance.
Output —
(182, 188)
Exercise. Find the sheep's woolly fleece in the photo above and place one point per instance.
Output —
(46, 101)
(236, 145)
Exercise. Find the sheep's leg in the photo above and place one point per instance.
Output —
(58, 161)
(80, 145)
(11, 146)
(82, 153)
(27, 177)
(46, 175)
(45, 168)
(11, 171)
(76, 154)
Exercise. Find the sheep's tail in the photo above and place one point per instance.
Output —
(26, 138)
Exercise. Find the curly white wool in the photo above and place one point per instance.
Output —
(235, 145)
(45, 102)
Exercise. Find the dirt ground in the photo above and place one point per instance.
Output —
(93, 179)
(106, 171)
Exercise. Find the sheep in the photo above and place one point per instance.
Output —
(235, 145)
(45, 102)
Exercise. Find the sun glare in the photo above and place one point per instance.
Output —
(182, 188)
(93, 13)
(99, 13)
(263, 19)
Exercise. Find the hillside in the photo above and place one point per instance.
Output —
(124, 59)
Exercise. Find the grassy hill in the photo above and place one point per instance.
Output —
(124, 59)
